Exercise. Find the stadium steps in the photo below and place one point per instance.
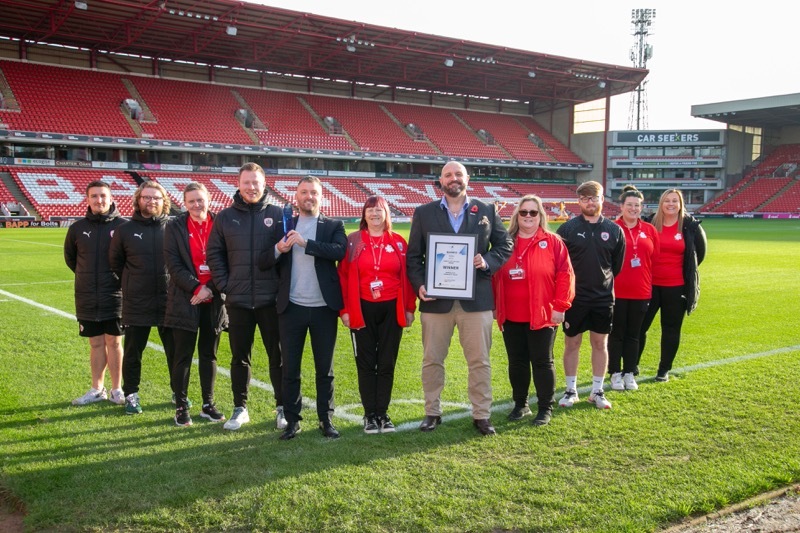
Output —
(475, 134)
(257, 123)
(775, 196)
(322, 123)
(546, 149)
(8, 100)
(13, 187)
(408, 133)
(147, 115)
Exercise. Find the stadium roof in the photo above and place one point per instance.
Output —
(766, 112)
(252, 36)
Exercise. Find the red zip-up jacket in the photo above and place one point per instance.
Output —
(550, 278)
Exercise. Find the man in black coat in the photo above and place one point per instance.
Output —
(456, 213)
(309, 300)
(98, 298)
(137, 257)
(239, 235)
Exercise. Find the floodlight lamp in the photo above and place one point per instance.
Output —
(351, 48)
(531, 74)
(83, 6)
(231, 30)
(448, 62)
(601, 84)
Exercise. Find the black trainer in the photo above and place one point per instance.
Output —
(386, 424)
(210, 412)
(371, 425)
(182, 417)
(518, 413)
(662, 377)
(542, 418)
(327, 429)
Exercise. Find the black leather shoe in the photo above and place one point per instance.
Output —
(291, 431)
(327, 429)
(484, 426)
(542, 418)
(518, 413)
(429, 423)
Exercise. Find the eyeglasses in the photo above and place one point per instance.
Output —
(587, 199)
(152, 198)
(527, 213)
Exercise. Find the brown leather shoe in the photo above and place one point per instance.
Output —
(429, 423)
(484, 426)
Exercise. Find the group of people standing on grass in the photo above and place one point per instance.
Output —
(295, 275)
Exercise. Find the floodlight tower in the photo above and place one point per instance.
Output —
(641, 19)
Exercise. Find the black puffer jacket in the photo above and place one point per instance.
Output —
(183, 281)
(695, 238)
(137, 257)
(239, 234)
(97, 289)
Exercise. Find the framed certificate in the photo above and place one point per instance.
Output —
(449, 269)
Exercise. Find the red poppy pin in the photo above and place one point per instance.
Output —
(474, 209)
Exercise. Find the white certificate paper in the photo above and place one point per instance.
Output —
(450, 272)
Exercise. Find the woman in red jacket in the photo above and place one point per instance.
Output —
(378, 303)
(532, 291)
(633, 287)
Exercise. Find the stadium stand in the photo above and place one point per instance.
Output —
(372, 128)
(445, 130)
(508, 132)
(556, 148)
(788, 201)
(64, 100)
(62, 192)
(190, 111)
(289, 123)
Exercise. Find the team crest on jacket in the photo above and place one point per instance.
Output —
(542, 244)
(389, 249)
(604, 235)
(268, 222)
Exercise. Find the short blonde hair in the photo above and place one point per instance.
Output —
(513, 226)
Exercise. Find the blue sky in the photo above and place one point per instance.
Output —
(704, 51)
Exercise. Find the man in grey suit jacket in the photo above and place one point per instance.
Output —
(457, 213)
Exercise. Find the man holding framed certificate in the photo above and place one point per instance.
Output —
(454, 246)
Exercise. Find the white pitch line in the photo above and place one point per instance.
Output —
(35, 283)
(34, 242)
(311, 403)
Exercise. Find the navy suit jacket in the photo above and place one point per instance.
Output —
(493, 243)
(328, 248)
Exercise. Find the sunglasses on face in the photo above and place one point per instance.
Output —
(527, 213)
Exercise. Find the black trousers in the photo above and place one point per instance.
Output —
(623, 341)
(296, 322)
(207, 342)
(375, 347)
(134, 344)
(530, 352)
(241, 333)
(672, 303)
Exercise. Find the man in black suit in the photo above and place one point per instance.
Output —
(309, 300)
(456, 213)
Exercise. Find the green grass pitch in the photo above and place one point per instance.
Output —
(724, 428)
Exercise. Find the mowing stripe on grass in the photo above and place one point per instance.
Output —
(34, 242)
(343, 412)
(36, 283)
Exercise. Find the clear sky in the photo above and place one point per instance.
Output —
(704, 51)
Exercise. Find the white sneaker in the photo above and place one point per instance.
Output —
(616, 381)
(598, 398)
(280, 419)
(92, 396)
(238, 418)
(117, 397)
(630, 381)
(569, 399)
